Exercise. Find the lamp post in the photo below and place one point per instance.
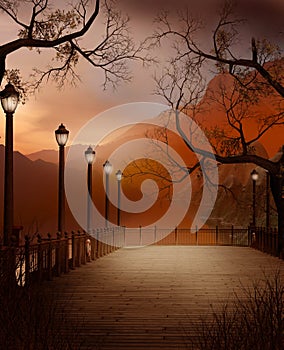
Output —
(281, 207)
(90, 157)
(254, 176)
(118, 177)
(267, 201)
(61, 135)
(9, 101)
(107, 169)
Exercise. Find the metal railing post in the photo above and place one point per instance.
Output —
(73, 250)
(79, 251)
(58, 254)
(99, 244)
(27, 261)
(113, 242)
(66, 253)
(84, 248)
(216, 235)
(49, 258)
(93, 247)
(123, 238)
(39, 258)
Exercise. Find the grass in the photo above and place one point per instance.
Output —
(31, 318)
(253, 321)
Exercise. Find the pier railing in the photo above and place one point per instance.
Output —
(261, 238)
(47, 257)
(265, 240)
(234, 236)
(44, 258)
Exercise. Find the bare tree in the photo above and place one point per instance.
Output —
(254, 79)
(62, 31)
(224, 41)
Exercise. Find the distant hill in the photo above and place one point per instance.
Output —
(35, 188)
(47, 155)
(35, 195)
(233, 205)
(36, 176)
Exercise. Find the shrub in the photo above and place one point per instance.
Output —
(30, 316)
(253, 321)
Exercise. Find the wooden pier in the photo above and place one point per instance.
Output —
(151, 297)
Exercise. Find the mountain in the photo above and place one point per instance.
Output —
(233, 204)
(36, 176)
(234, 201)
(47, 155)
(35, 195)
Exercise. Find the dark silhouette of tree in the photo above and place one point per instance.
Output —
(255, 78)
(62, 30)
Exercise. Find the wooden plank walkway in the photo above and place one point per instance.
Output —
(147, 298)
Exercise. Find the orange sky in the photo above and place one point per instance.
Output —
(35, 122)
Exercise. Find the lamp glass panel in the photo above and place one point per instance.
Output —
(119, 175)
(61, 138)
(10, 103)
(107, 168)
(90, 156)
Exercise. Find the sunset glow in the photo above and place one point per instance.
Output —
(36, 121)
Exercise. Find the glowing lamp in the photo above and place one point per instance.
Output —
(9, 99)
(254, 175)
(118, 175)
(61, 135)
(107, 167)
(90, 155)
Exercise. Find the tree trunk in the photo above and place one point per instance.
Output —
(281, 228)
(276, 183)
(2, 67)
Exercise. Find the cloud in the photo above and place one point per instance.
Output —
(265, 14)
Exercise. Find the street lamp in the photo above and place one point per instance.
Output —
(90, 157)
(118, 177)
(61, 135)
(267, 201)
(254, 176)
(9, 101)
(107, 169)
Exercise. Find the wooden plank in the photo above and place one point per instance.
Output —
(148, 298)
